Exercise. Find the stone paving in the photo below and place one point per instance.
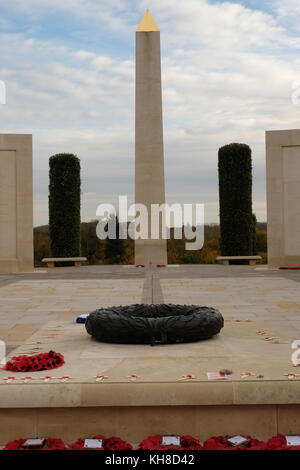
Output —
(37, 313)
(268, 299)
(28, 301)
(242, 293)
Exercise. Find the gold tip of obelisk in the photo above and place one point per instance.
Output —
(147, 24)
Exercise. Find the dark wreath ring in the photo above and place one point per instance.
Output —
(154, 324)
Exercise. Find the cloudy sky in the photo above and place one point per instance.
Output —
(228, 74)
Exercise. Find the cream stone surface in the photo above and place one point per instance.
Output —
(291, 191)
(8, 213)
(37, 313)
(16, 213)
(283, 197)
(137, 423)
(149, 147)
(288, 419)
(16, 423)
(238, 347)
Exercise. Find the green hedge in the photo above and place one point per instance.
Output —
(235, 191)
(254, 236)
(64, 205)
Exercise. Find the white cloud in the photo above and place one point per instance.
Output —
(84, 55)
(220, 26)
(105, 11)
(227, 76)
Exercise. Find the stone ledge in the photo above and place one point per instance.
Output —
(160, 370)
(76, 260)
(56, 395)
(226, 259)
(136, 423)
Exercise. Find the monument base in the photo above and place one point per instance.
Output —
(12, 265)
(133, 391)
(16, 214)
(151, 252)
(135, 423)
(283, 197)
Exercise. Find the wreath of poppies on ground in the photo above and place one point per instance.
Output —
(111, 443)
(42, 361)
(155, 443)
(279, 443)
(221, 443)
(49, 444)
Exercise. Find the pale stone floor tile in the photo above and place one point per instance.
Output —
(295, 323)
(272, 304)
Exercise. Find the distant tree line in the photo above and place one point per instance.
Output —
(122, 251)
(239, 234)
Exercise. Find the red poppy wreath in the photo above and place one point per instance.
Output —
(221, 443)
(48, 444)
(43, 361)
(155, 443)
(112, 443)
(279, 442)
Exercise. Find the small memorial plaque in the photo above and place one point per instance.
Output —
(93, 443)
(292, 441)
(34, 443)
(170, 441)
(237, 441)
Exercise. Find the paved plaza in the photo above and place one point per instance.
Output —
(251, 299)
(38, 312)
(27, 301)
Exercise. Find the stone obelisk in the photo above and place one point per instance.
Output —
(149, 147)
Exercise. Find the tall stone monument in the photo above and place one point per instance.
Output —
(283, 197)
(149, 147)
(16, 215)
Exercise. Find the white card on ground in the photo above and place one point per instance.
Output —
(216, 376)
(93, 443)
(170, 441)
(237, 440)
(292, 441)
(33, 442)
